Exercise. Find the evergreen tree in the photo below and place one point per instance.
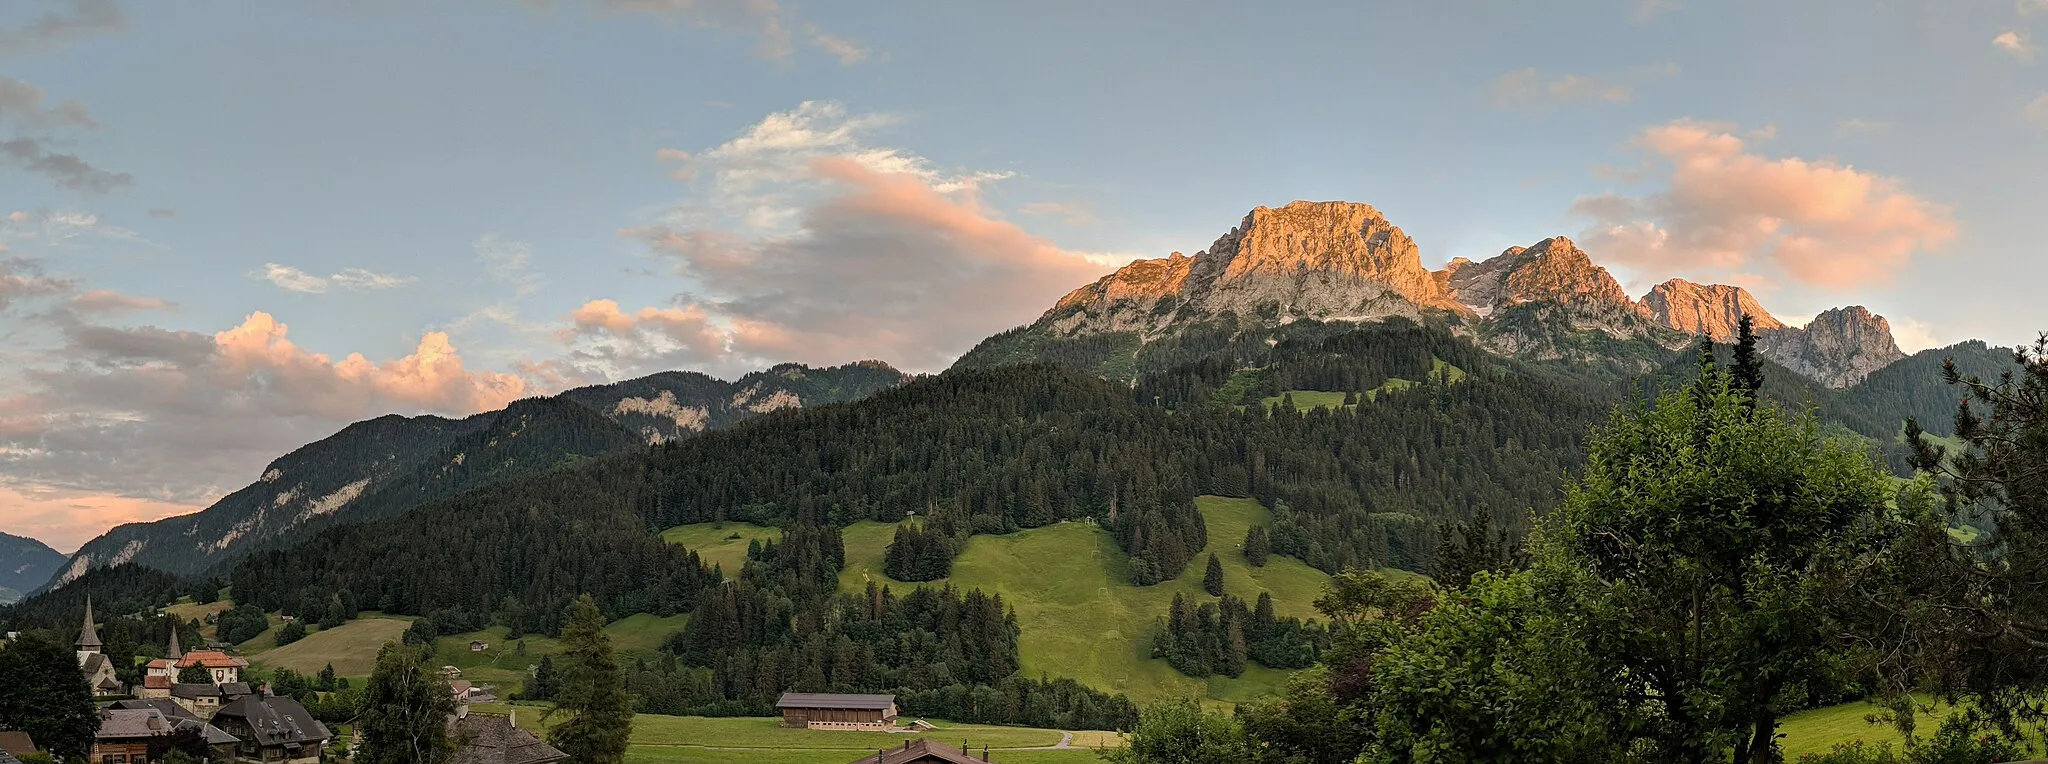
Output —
(335, 614)
(1258, 545)
(405, 710)
(593, 693)
(1212, 578)
(43, 694)
(546, 681)
(1747, 374)
(422, 633)
(1471, 547)
(327, 679)
(292, 631)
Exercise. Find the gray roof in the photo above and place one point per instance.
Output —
(8, 758)
(123, 723)
(276, 721)
(165, 706)
(88, 636)
(493, 739)
(194, 690)
(920, 749)
(830, 700)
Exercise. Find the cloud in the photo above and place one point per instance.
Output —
(68, 170)
(352, 279)
(176, 416)
(22, 104)
(1074, 213)
(1527, 89)
(66, 519)
(78, 20)
(2036, 111)
(2015, 44)
(847, 51)
(1915, 336)
(23, 278)
(110, 301)
(1727, 209)
(1646, 11)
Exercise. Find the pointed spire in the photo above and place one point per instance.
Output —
(90, 637)
(174, 653)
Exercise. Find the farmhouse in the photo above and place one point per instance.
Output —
(495, 739)
(823, 711)
(923, 752)
(273, 729)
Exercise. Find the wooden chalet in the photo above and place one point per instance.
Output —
(273, 729)
(826, 711)
(924, 752)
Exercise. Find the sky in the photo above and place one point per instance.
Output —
(228, 229)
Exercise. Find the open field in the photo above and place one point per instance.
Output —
(1821, 729)
(351, 648)
(187, 610)
(758, 740)
(721, 544)
(1082, 618)
(1309, 400)
(504, 665)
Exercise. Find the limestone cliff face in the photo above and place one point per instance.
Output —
(1839, 347)
(1541, 301)
(1714, 310)
(1306, 260)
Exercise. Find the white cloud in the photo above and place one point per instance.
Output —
(2014, 43)
(847, 51)
(2036, 111)
(292, 279)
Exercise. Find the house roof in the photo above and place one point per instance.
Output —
(460, 686)
(124, 723)
(94, 663)
(8, 758)
(211, 659)
(276, 721)
(157, 683)
(166, 706)
(159, 663)
(830, 700)
(17, 743)
(493, 739)
(194, 691)
(180, 719)
(920, 749)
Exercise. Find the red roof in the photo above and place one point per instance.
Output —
(211, 659)
(156, 683)
(160, 663)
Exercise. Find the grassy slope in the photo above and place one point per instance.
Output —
(187, 610)
(715, 542)
(761, 741)
(1309, 400)
(1821, 729)
(1080, 617)
(351, 648)
(502, 664)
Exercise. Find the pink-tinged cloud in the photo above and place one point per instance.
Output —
(110, 301)
(902, 265)
(432, 378)
(1727, 209)
(67, 519)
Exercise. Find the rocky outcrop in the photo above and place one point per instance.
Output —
(1554, 269)
(1839, 348)
(1714, 310)
(1331, 261)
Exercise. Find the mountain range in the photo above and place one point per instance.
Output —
(25, 565)
(1271, 306)
(1344, 262)
(387, 465)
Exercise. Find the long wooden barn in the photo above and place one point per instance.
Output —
(826, 711)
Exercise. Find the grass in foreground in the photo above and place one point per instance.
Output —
(760, 740)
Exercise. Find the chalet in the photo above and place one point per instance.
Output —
(125, 735)
(478, 645)
(98, 670)
(824, 711)
(924, 751)
(451, 672)
(495, 739)
(222, 667)
(218, 742)
(461, 688)
(273, 729)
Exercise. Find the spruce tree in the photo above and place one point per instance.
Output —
(292, 631)
(1258, 545)
(1212, 579)
(593, 691)
(405, 710)
(43, 694)
(1747, 375)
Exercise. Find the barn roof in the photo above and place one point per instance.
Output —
(830, 700)
(921, 749)
(494, 739)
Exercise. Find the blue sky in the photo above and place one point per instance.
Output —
(493, 198)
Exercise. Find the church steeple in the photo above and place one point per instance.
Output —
(174, 653)
(89, 637)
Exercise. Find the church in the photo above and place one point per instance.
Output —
(99, 672)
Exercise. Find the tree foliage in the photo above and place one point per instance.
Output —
(43, 694)
(405, 710)
(593, 695)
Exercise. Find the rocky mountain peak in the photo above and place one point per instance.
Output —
(1840, 347)
(1714, 310)
(1342, 239)
(1553, 270)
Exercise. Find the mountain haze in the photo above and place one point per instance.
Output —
(25, 565)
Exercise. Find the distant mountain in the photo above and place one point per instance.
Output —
(1343, 262)
(25, 565)
(384, 466)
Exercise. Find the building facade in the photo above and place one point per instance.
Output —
(826, 711)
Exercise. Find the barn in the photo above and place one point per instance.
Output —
(824, 711)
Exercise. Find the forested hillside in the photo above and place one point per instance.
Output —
(25, 565)
(384, 466)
